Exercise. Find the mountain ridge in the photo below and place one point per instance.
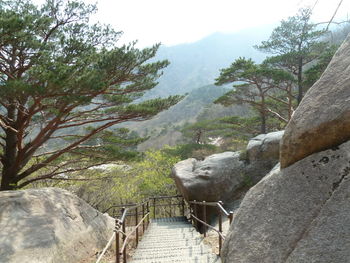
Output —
(197, 64)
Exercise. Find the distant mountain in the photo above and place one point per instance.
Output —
(197, 64)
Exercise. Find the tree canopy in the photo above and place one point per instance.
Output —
(255, 84)
(59, 74)
(293, 44)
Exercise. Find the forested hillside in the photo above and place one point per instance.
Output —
(164, 129)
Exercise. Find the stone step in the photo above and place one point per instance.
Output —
(173, 240)
(169, 236)
(207, 259)
(171, 253)
(176, 247)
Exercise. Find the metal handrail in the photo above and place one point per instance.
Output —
(218, 205)
(166, 196)
(117, 206)
(221, 209)
(121, 221)
(210, 226)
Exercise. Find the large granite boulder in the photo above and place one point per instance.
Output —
(226, 176)
(300, 214)
(265, 147)
(212, 179)
(322, 120)
(50, 225)
(221, 176)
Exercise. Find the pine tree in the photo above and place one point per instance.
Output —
(64, 81)
(294, 43)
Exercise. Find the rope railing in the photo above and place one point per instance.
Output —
(106, 248)
(132, 232)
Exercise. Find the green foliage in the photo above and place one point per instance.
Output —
(128, 183)
(257, 85)
(294, 37)
(198, 132)
(294, 43)
(191, 150)
(248, 181)
(153, 174)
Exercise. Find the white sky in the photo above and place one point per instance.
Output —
(179, 21)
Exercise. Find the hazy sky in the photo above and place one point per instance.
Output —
(179, 21)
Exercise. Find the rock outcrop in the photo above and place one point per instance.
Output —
(300, 214)
(322, 120)
(50, 225)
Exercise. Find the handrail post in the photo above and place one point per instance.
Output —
(190, 209)
(147, 207)
(143, 215)
(183, 206)
(195, 214)
(205, 218)
(230, 217)
(124, 237)
(154, 208)
(170, 204)
(136, 223)
(220, 230)
(117, 255)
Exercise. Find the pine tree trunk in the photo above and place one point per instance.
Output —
(263, 114)
(263, 123)
(9, 171)
(300, 74)
(8, 182)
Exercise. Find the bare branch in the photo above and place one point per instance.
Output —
(52, 174)
(335, 12)
(277, 99)
(66, 149)
(279, 116)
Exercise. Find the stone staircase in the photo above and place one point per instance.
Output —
(173, 240)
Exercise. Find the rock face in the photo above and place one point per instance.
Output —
(300, 214)
(322, 120)
(50, 225)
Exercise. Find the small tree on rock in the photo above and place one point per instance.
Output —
(254, 84)
(294, 43)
